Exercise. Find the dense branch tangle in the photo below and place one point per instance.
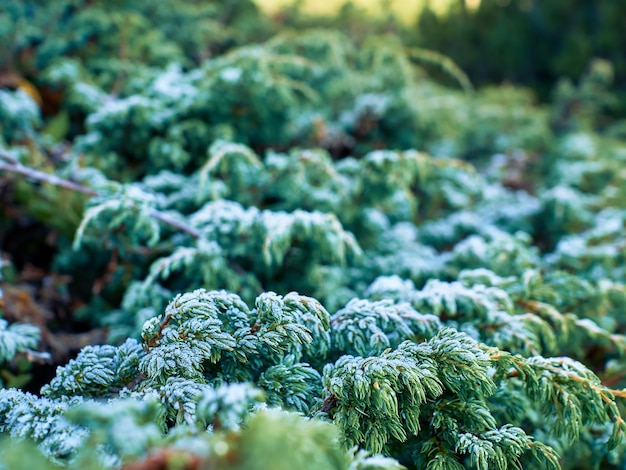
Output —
(439, 397)
(438, 318)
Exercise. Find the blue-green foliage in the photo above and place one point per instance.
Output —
(16, 338)
(415, 382)
(19, 115)
(306, 253)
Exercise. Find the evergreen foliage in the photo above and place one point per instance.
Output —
(299, 251)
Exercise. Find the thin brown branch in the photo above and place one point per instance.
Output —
(43, 177)
(172, 222)
(13, 166)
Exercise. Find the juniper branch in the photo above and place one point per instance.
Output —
(14, 166)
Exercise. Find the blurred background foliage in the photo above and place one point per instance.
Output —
(533, 43)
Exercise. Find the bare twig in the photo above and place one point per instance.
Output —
(14, 166)
(172, 222)
(43, 177)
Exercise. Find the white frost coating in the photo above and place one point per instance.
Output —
(389, 284)
(231, 74)
(473, 244)
(405, 232)
(609, 222)
(221, 212)
(89, 93)
(381, 156)
(118, 107)
(496, 192)
(579, 145)
(562, 194)
(380, 461)
(279, 222)
(135, 193)
(237, 393)
(368, 103)
(174, 84)
(66, 70)
(18, 102)
(18, 112)
(598, 243)
(376, 218)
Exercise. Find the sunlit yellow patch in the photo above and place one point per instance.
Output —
(405, 9)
